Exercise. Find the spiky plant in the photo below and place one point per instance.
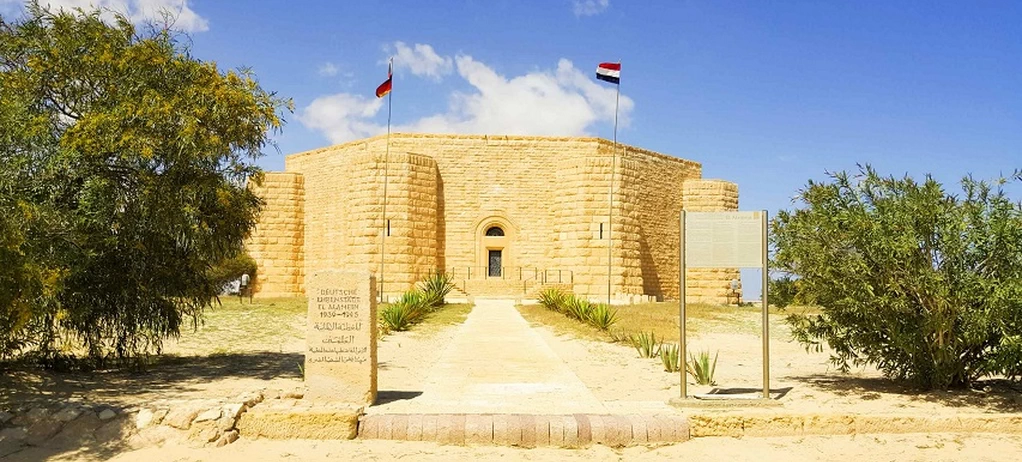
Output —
(602, 316)
(700, 367)
(645, 343)
(552, 299)
(435, 288)
(669, 355)
(578, 308)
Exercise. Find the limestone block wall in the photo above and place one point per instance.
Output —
(550, 194)
(657, 185)
(709, 285)
(345, 222)
(277, 242)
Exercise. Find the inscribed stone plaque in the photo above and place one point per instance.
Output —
(724, 239)
(340, 354)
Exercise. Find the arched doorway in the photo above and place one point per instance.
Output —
(494, 255)
(494, 245)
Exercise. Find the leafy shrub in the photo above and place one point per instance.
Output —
(645, 344)
(435, 288)
(783, 291)
(602, 316)
(924, 284)
(232, 268)
(670, 357)
(700, 367)
(552, 299)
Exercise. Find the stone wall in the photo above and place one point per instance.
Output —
(277, 242)
(549, 194)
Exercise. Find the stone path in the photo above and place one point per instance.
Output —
(497, 364)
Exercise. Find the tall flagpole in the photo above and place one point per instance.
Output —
(386, 178)
(610, 205)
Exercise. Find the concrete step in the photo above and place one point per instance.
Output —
(524, 430)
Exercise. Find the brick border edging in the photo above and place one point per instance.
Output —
(527, 430)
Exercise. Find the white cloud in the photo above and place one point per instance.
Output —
(182, 17)
(328, 69)
(342, 117)
(563, 101)
(590, 7)
(421, 60)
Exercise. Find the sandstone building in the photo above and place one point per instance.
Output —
(505, 215)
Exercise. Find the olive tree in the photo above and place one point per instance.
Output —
(924, 284)
(124, 163)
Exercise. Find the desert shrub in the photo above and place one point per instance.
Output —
(602, 316)
(645, 344)
(231, 269)
(435, 288)
(783, 291)
(925, 285)
(552, 299)
(670, 357)
(700, 367)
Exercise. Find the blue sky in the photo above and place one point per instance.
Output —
(767, 94)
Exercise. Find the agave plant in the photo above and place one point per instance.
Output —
(700, 367)
(645, 344)
(552, 299)
(435, 288)
(669, 355)
(578, 308)
(396, 317)
(602, 316)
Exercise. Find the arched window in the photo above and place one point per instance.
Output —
(495, 231)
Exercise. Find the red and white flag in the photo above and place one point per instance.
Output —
(610, 72)
(384, 87)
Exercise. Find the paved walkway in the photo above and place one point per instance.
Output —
(498, 364)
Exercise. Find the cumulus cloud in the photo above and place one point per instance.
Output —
(181, 16)
(563, 101)
(590, 7)
(342, 117)
(421, 60)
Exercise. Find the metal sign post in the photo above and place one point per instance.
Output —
(723, 240)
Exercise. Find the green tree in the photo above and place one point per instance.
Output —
(123, 170)
(924, 284)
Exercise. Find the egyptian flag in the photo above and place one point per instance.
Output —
(610, 72)
(384, 87)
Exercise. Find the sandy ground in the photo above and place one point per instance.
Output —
(614, 373)
(908, 447)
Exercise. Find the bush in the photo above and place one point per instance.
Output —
(435, 288)
(783, 291)
(232, 268)
(700, 367)
(924, 284)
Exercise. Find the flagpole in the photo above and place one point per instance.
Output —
(610, 205)
(386, 180)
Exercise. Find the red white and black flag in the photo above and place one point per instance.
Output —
(611, 72)
(384, 87)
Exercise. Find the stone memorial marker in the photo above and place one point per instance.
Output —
(340, 354)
